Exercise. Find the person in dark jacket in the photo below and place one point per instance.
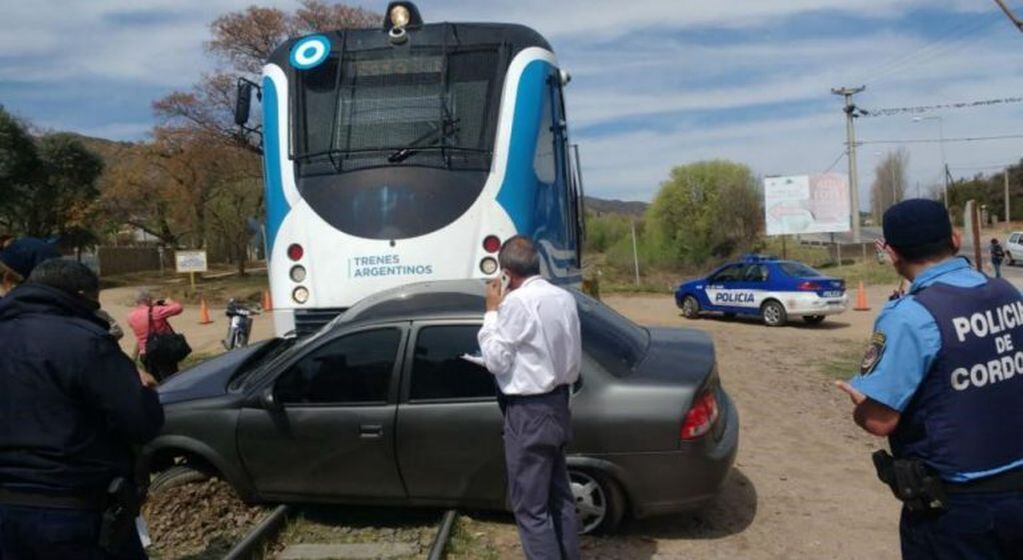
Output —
(19, 256)
(72, 405)
(997, 257)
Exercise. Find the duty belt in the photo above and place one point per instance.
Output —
(55, 501)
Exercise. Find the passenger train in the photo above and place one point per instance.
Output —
(409, 153)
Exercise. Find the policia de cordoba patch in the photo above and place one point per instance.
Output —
(874, 352)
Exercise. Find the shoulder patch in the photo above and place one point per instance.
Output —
(874, 351)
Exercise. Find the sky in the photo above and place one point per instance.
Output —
(656, 83)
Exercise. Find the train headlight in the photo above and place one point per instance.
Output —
(297, 273)
(488, 266)
(300, 295)
(400, 16)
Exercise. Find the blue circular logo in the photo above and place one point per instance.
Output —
(310, 52)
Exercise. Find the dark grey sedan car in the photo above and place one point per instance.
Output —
(378, 407)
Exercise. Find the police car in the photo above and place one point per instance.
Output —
(769, 287)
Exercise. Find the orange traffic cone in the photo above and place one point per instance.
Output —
(268, 304)
(204, 312)
(861, 299)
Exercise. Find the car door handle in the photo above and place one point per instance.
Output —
(371, 431)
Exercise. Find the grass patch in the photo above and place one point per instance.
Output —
(868, 272)
(196, 358)
(844, 363)
(468, 543)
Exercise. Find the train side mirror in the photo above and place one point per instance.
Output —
(243, 104)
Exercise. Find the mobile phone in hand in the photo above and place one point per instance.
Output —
(505, 280)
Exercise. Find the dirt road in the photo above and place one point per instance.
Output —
(803, 486)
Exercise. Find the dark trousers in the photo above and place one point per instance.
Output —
(29, 533)
(537, 430)
(975, 526)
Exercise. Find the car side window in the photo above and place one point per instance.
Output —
(755, 273)
(439, 372)
(353, 369)
(728, 274)
(1014, 238)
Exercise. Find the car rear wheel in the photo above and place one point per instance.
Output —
(1008, 259)
(178, 475)
(814, 319)
(774, 314)
(599, 502)
(690, 307)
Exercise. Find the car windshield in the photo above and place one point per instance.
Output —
(615, 342)
(798, 270)
(397, 107)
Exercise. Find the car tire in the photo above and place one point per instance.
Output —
(813, 319)
(773, 313)
(178, 475)
(1008, 259)
(690, 307)
(599, 501)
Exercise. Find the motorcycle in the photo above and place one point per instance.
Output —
(240, 325)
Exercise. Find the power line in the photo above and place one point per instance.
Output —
(927, 108)
(935, 141)
(834, 163)
(949, 39)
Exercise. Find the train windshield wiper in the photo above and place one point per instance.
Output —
(448, 128)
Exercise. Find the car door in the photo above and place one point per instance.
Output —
(450, 447)
(751, 289)
(328, 430)
(721, 287)
(1014, 248)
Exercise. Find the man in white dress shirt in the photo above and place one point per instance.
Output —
(530, 343)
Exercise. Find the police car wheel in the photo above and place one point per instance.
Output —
(774, 314)
(814, 319)
(1008, 259)
(690, 307)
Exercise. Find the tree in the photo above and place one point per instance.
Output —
(242, 42)
(889, 185)
(709, 208)
(19, 164)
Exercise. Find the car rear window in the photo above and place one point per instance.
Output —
(615, 342)
(798, 270)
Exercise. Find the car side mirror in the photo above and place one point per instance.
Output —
(269, 400)
(243, 104)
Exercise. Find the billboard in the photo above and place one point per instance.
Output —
(806, 204)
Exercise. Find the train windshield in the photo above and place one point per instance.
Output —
(391, 107)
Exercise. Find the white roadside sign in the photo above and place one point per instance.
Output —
(190, 261)
(806, 204)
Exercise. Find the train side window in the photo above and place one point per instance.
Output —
(544, 163)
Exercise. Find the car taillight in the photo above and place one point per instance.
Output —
(700, 417)
(295, 251)
(491, 244)
(808, 286)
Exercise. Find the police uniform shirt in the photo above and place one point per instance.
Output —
(906, 342)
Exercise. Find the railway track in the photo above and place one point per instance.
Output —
(255, 543)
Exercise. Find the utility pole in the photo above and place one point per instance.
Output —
(1012, 17)
(1007, 213)
(850, 142)
(635, 253)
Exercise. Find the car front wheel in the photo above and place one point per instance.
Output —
(599, 502)
(1008, 258)
(690, 307)
(774, 314)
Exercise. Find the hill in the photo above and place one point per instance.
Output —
(600, 206)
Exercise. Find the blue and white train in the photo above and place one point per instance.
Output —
(410, 153)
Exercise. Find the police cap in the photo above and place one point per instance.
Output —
(915, 223)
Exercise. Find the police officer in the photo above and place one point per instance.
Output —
(72, 406)
(943, 379)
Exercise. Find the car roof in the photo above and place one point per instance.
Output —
(449, 298)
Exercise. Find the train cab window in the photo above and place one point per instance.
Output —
(439, 372)
(353, 369)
